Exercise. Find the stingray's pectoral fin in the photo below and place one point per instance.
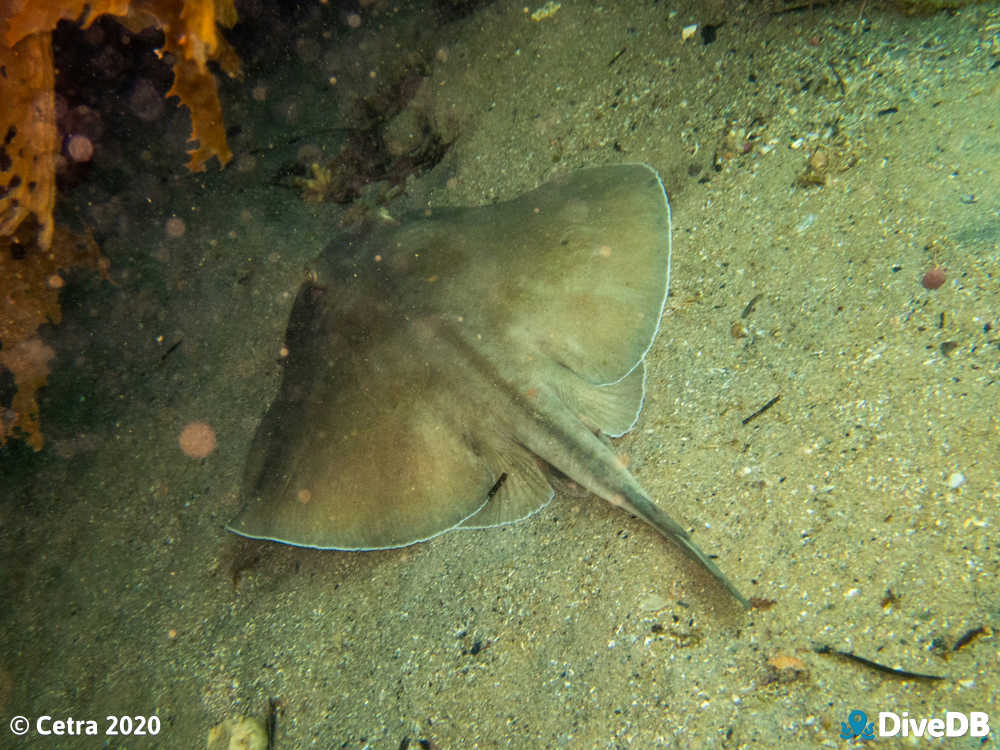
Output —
(523, 490)
(659, 520)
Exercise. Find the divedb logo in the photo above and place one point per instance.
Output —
(891, 724)
(954, 724)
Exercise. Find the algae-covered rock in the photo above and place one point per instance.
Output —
(243, 733)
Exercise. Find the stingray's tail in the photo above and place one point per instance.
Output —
(648, 511)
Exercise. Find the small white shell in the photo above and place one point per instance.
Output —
(955, 480)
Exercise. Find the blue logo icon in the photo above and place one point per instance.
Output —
(858, 726)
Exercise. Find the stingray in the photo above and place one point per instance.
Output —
(444, 371)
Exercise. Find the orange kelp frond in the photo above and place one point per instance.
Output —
(198, 90)
(27, 120)
(196, 41)
(22, 18)
(30, 137)
(191, 34)
(30, 282)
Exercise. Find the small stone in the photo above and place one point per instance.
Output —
(955, 480)
(785, 668)
(653, 603)
(934, 278)
(782, 662)
(546, 11)
(947, 347)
